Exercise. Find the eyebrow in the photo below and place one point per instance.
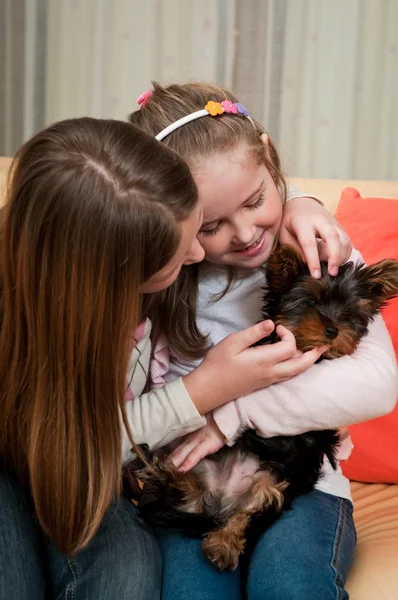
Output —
(254, 193)
(244, 202)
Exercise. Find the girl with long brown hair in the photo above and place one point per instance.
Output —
(99, 218)
(307, 553)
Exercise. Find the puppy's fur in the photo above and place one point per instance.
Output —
(239, 491)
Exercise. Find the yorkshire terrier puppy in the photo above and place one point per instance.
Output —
(239, 491)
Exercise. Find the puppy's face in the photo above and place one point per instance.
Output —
(332, 311)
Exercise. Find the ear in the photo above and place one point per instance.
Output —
(381, 281)
(265, 142)
(283, 267)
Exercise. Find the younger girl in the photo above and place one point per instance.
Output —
(308, 552)
(99, 216)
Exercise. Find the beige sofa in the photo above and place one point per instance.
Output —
(374, 575)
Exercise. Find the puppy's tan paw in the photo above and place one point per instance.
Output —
(222, 550)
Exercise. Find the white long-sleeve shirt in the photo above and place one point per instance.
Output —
(331, 394)
(158, 417)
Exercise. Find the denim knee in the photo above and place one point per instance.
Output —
(188, 574)
(122, 561)
(22, 544)
(296, 587)
(307, 553)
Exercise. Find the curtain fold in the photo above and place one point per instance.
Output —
(322, 75)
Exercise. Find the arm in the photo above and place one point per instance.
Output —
(331, 394)
(294, 192)
(231, 368)
(158, 417)
(160, 362)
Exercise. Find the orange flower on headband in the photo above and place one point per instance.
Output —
(214, 108)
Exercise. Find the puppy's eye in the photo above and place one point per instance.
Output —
(312, 302)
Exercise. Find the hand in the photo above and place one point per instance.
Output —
(233, 368)
(304, 221)
(198, 445)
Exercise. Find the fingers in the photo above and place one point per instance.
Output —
(295, 366)
(280, 351)
(327, 231)
(246, 338)
(285, 335)
(330, 236)
(194, 448)
(346, 246)
(309, 246)
(336, 246)
(180, 454)
(194, 457)
(310, 357)
(304, 225)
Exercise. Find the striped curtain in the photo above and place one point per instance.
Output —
(67, 58)
(322, 75)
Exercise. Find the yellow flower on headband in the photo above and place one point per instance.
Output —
(214, 108)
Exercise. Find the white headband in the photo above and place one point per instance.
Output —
(212, 109)
(180, 122)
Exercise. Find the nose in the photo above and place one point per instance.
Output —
(196, 253)
(245, 231)
(331, 332)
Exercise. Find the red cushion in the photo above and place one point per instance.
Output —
(372, 224)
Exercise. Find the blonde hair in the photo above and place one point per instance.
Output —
(200, 139)
(87, 201)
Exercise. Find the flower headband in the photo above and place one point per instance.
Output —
(212, 109)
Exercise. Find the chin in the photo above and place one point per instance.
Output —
(254, 263)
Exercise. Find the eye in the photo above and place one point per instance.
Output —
(312, 301)
(259, 202)
(211, 231)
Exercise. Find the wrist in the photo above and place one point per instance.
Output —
(204, 390)
(228, 421)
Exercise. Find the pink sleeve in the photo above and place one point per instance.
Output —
(330, 394)
(160, 362)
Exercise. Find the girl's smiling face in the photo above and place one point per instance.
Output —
(242, 209)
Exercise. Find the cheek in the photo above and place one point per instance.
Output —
(167, 282)
(213, 245)
(274, 211)
(159, 286)
(270, 214)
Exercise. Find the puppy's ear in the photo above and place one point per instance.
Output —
(380, 282)
(283, 267)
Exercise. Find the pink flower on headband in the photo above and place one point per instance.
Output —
(241, 109)
(229, 107)
(143, 99)
(214, 108)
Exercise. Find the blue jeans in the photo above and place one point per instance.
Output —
(123, 561)
(305, 555)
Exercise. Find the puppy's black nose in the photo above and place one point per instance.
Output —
(331, 332)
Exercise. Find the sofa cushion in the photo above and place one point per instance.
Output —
(372, 224)
(374, 573)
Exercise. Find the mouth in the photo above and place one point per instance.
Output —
(254, 249)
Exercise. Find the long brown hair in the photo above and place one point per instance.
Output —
(93, 210)
(200, 139)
